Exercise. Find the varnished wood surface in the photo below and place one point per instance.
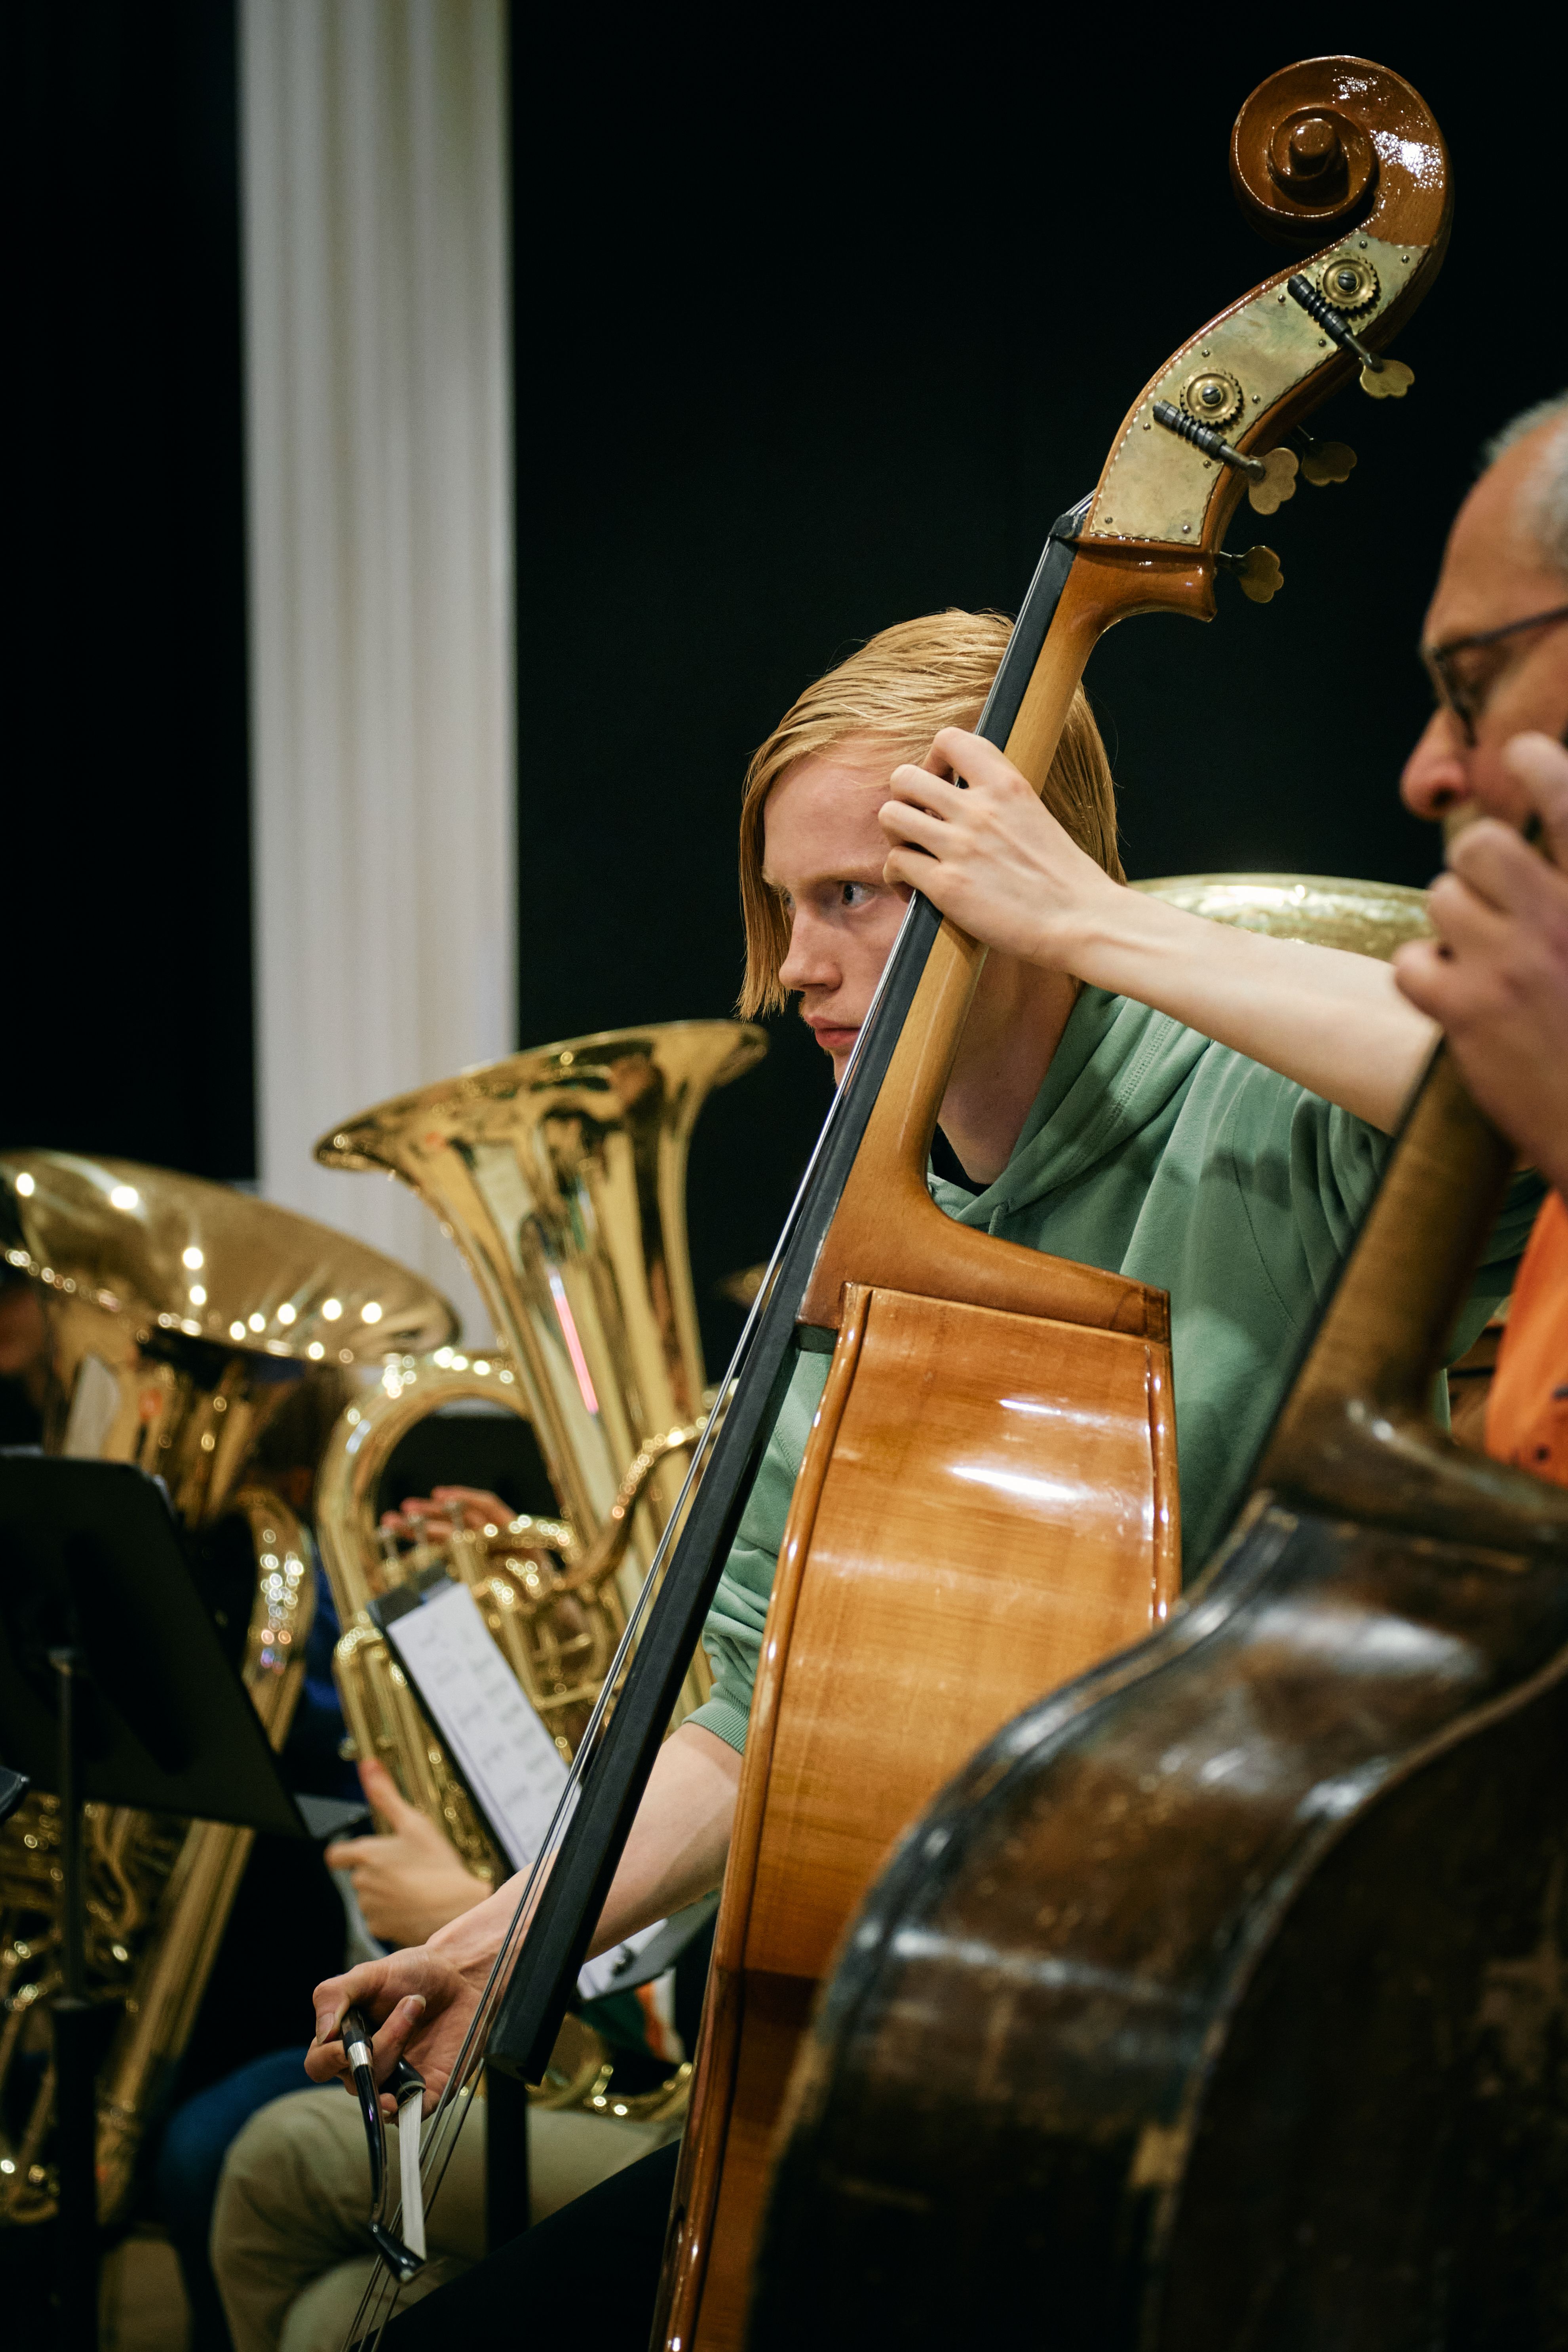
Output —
(987, 1505)
(986, 1529)
(688, 2234)
(773, 2017)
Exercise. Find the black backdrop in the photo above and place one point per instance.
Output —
(818, 324)
(127, 885)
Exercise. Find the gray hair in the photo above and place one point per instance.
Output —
(1545, 493)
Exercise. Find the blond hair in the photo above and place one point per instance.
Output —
(902, 689)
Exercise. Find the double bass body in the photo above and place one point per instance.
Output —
(987, 1506)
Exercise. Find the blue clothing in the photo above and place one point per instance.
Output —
(311, 1759)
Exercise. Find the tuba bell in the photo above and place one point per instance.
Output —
(183, 1327)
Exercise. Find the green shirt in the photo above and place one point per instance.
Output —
(1157, 1154)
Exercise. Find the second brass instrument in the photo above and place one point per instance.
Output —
(181, 1324)
(1330, 910)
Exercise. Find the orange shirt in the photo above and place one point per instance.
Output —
(1527, 1412)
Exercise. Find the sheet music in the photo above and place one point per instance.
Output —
(478, 1709)
(494, 1738)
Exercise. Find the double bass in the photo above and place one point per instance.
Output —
(1221, 2001)
(961, 1596)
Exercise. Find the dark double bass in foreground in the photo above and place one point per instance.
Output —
(1222, 2001)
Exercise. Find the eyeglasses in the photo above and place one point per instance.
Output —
(1465, 697)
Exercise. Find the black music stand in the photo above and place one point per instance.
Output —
(114, 1689)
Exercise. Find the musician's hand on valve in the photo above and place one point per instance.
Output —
(430, 1518)
(1497, 974)
(408, 1883)
(991, 857)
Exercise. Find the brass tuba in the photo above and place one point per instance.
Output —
(560, 1175)
(182, 1326)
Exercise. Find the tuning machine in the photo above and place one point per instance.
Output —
(1256, 573)
(1324, 461)
(1269, 480)
(1383, 379)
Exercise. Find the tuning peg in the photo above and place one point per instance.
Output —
(1278, 482)
(1386, 379)
(1383, 379)
(1256, 573)
(1270, 481)
(1324, 461)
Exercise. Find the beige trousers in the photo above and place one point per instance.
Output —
(289, 2240)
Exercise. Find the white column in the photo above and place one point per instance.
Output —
(379, 443)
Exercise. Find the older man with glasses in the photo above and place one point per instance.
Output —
(1492, 769)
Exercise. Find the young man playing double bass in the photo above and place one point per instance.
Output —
(1200, 1108)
